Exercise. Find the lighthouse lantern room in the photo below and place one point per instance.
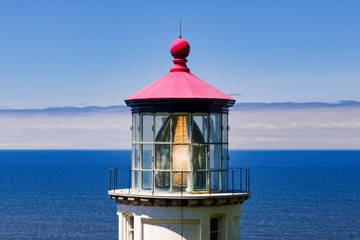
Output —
(180, 185)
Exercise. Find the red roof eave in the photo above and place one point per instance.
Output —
(179, 85)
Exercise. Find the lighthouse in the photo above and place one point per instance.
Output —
(180, 186)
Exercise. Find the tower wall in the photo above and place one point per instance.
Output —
(170, 223)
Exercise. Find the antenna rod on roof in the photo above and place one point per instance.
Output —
(180, 28)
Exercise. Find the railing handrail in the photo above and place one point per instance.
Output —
(235, 186)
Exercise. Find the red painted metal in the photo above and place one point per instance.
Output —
(180, 47)
(179, 83)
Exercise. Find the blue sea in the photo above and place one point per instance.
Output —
(62, 194)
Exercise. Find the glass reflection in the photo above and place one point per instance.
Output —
(162, 128)
(162, 156)
(181, 129)
(199, 157)
(162, 152)
(215, 178)
(224, 158)
(225, 129)
(162, 180)
(135, 180)
(224, 166)
(200, 129)
(215, 158)
(180, 151)
(185, 148)
(135, 156)
(146, 180)
(200, 167)
(135, 127)
(215, 128)
(146, 130)
(146, 156)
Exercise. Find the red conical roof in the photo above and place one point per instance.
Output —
(179, 83)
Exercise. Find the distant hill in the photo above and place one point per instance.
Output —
(236, 107)
(71, 110)
(294, 105)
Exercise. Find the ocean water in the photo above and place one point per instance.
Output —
(58, 194)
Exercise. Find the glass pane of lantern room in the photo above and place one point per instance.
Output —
(135, 156)
(199, 157)
(146, 180)
(200, 129)
(224, 157)
(180, 160)
(181, 129)
(215, 156)
(146, 159)
(162, 156)
(180, 157)
(146, 128)
(200, 167)
(135, 127)
(224, 166)
(162, 128)
(224, 180)
(215, 181)
(162, 181)
(215, 128)
(135, 180)
(225, 130)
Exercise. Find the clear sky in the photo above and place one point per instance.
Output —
(74, 53)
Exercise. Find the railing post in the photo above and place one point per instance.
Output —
(129, 180)
(110, 181)
(246, 178)
(181, 183)
(153, 182)
(249, 181)
(115, 179)
(232, 177)
(241, 179)
(227, 179)
(210, 182)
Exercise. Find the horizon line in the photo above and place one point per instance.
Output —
(264, 104)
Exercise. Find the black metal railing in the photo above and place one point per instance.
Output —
(233, 180)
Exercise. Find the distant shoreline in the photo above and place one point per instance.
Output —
(238, 106)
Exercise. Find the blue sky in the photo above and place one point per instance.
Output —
(74, 53)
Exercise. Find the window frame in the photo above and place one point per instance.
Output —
(139, 144)
(128, 226)
(220, 226)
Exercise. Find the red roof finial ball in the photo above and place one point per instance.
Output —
(180, 48)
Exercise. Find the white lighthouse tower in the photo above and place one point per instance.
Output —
(180, 185)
